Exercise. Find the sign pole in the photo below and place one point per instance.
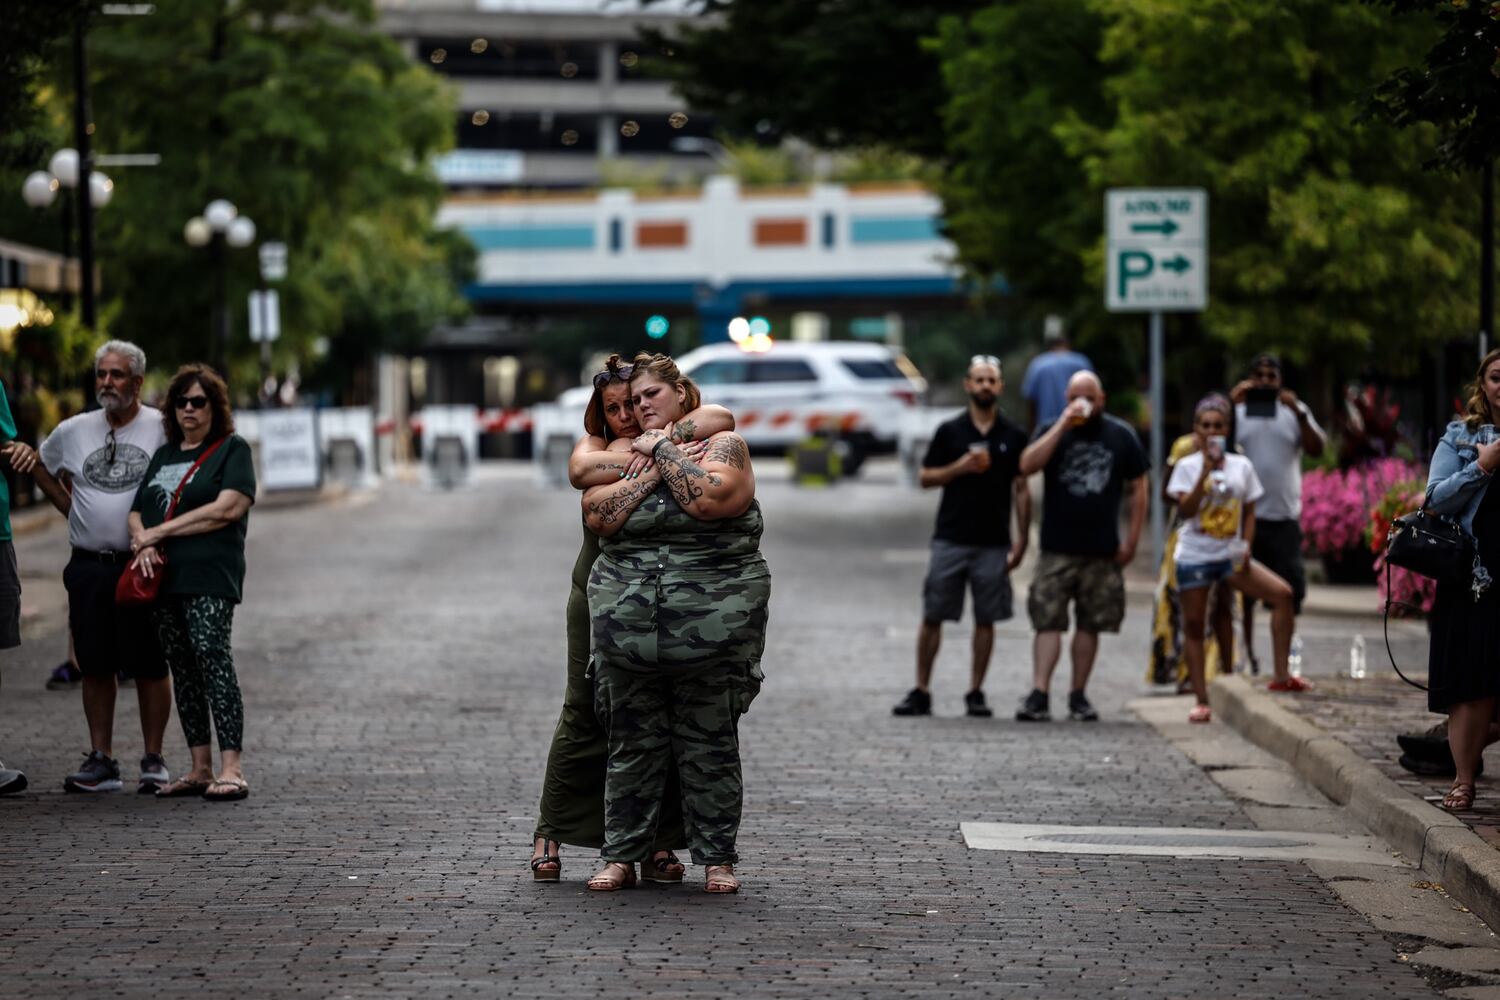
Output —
(1158, 412)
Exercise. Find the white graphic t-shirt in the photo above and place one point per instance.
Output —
(106, 473)
(1210, 535)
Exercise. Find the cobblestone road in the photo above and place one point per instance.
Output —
(402, 658)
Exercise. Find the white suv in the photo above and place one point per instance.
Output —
(781, 395)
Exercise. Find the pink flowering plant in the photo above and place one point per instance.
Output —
(1337, 503)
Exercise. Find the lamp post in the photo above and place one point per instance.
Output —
(41, 188)
(219, 227)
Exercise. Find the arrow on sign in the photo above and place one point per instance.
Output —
(1178, 264)
(1166, 227)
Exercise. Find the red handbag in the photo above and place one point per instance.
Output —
(134, 586)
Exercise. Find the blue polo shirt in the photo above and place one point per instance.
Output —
(1046, 382)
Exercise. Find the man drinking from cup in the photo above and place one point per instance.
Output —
(975, 459)
(1089, 458)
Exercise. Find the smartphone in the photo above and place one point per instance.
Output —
(1216, 446)
(1260, 402)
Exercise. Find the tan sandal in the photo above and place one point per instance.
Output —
(239, 788)
(720, 878)
(181, 788)
(614, 875)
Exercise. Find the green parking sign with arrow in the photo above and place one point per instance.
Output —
(1157, 249)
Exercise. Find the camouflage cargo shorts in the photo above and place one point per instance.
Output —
(1094, 584)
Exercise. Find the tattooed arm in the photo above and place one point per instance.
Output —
(720, 484)
(606, 508)
(595, 464)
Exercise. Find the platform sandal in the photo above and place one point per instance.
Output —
(540, 874)
(663, 866)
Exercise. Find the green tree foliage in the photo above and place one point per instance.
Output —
(35, 33)
(838, 73)
(1326, 234)
(1456, 86)
(319, 129)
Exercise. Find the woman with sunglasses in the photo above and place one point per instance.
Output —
(572, 805)
(679, 595)
(200, 550)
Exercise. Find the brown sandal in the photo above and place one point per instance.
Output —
(614, 875)
(720, 878)
(1460, 797)
(552, 874)
(664, 866)
(183, 788)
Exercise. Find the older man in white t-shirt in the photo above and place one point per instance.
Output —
(104, 454)
(1274, 429)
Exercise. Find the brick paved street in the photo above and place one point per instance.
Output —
(402, 658)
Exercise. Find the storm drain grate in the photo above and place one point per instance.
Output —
(1180, 842)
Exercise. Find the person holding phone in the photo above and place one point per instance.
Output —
(1275, 429)
(1216, 491)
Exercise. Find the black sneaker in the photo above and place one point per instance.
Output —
(974, 705)
(1079, 709)
(11, 782)
(153, 774)
(1034, 708)
(917, 702)
(65, 677)
(98, 774)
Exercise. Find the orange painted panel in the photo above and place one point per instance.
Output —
(780, 232)
(649, 235)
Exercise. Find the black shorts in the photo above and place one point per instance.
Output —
(1278, 547)
(108, 638)
(10, 597)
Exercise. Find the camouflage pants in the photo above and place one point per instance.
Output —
(677, 663)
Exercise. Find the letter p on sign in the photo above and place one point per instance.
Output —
(1134, 265)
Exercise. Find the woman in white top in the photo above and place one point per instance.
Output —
(1216, 491)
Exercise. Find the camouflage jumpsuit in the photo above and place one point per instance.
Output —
(679, 609)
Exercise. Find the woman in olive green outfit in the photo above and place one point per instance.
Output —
(208, 469)
(572, 805)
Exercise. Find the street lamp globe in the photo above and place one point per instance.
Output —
(64, 166)
(197, 231)
(101, 189)
(219, 214)
(39, 189)
(241, 232)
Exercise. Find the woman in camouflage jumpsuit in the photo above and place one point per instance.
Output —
(571, 809)
(679, 596)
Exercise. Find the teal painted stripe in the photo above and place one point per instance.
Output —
(893, 228)
(532, 237)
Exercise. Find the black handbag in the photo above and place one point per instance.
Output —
(1431, 546)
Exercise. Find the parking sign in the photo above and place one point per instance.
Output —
(1157, 250)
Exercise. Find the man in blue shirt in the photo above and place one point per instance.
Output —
(1046, 384)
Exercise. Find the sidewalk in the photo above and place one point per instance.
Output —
(1341, 737)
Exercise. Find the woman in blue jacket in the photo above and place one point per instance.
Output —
(1464, 658)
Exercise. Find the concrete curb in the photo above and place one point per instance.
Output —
(1443, 846)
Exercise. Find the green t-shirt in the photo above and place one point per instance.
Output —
(211, 564)
(7, 435)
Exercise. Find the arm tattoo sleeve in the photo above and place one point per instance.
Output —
(619, 504)
(683, 476)
(729, 450)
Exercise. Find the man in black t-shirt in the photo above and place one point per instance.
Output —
(1089, 457)
(975, 459)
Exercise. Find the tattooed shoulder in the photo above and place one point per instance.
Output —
(729, 449)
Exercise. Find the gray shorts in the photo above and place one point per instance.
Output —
(10, 598)
(982, 567)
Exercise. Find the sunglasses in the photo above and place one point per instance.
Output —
(192, 402)
(984, 359)
(620, 374)
(109, 442)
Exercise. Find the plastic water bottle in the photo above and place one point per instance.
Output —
(1357, 658)
(1294, 657)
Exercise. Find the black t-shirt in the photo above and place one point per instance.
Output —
(1084, 481)
(976, 507)
(212, 563)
